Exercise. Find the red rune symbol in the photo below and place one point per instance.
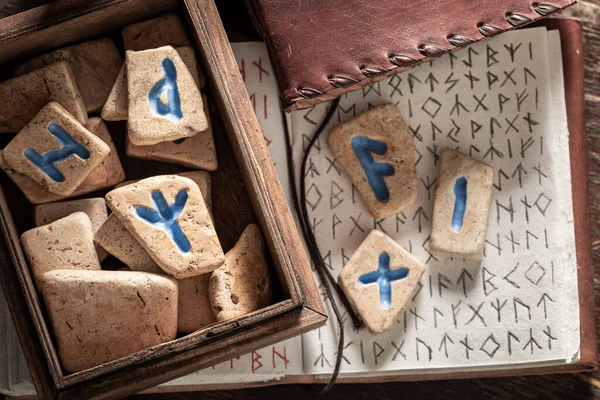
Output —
(231, 362)
(283, 357)
(267, 140)
(243, 70)
(260, 69)
(253, 100)
(256, 364)
(265, 105)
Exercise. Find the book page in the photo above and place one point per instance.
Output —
(494, 102)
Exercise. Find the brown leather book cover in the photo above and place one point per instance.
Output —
(572, 56)
(323, 48)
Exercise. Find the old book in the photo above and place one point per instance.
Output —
(514, 102)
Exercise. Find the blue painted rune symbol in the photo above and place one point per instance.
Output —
(384, 278)
(375, 171)
(165, 217)
(172, 110)
(70, 147)
(460, 203)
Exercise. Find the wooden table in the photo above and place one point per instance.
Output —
(552, 386)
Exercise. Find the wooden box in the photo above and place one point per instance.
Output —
(245, 189)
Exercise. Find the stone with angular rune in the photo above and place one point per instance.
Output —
(163, 100)
(195, 152)
(461, 206)
(95, 208)
(242, 285)
(55, 150)
(100, 316)
(66, 244)
(116, 239)
(165, 30)
(168, 216)
(377, 151)
(115, 108)
(95, 65)
(109, 173)
(22, 97)
(379, 280)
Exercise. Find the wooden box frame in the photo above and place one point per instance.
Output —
(56, 24)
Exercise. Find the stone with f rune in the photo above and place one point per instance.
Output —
(168, 216)
(379, 280)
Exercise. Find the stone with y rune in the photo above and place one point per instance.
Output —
(67, 243)
(379, 280)
(116, 239)
(461, 206)
(377, 151)
(109, 173)
(168, 216)
(95, 66)
(115, 108)
(242, 285)
(22, 97)
(55, 150)
(100, 316)
(163, 100)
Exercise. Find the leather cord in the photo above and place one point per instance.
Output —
(311, 242)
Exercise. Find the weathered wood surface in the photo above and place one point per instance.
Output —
(553, 386)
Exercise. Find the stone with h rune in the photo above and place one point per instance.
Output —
(377, 151)
(379, 280)
(55, 150)
(164, 102)
(168, 216)
(461, 206)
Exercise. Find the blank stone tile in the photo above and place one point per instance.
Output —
(95, 208)
(194, 310)
(163, 100)
(107, 174)
(242, 285)
(95, 65)
(195, 152)
(167, 215)
(55, 150)
(461, 206)
(100, 316)
(377, 151)
(379, 280)
(22, 97)
(165, 30)
(66, 244)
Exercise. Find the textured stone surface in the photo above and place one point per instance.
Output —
(469, 240)
(22, 97)
(385, 125)
(95, 65)
(66, 244)
(116, 240)
(160, 71)
(195, 152)
(107, 174)
(95, 208)
(115, 108)
(366, 298)
(165, 30)
(100, 316)
(194, 310)
(37, 136)
(195, 250)
(242, 285)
